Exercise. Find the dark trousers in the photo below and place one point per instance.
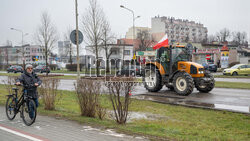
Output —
(31, 107)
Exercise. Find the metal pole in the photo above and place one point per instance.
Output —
(77, 44)
(133, 31)
(21, 45)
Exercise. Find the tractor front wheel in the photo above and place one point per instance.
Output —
(183, 83)
(205, 87)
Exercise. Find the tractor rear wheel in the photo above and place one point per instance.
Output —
(183, 83)
(152, 79)
(208, 86)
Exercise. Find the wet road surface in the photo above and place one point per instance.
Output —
(237, 100)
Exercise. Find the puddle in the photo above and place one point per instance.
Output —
(139, 115)
(112, 133)
(232, 107)
(109, 132)
(184, 102)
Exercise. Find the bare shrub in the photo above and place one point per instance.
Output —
(9, 84)
(88, 92)
(101, 112)
(119, 94)
(49, 92)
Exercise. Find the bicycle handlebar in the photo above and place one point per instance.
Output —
(27, 86)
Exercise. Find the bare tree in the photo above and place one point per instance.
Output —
(223, 35)
(107, 38)
(239, 38)
(46, 36)
(92, 22)
(211, 39)
(145, 40)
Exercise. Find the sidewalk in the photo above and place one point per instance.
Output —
(59, 130)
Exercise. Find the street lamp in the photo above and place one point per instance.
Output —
(134, 18)
(22, 43)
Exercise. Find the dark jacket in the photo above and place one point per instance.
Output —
(28, 81)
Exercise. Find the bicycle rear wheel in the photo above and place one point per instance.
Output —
(10, 108)
(29, 112)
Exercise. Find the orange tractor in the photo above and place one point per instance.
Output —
(173, 68)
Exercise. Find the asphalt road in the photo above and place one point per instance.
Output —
(52, 129)
(219, 98)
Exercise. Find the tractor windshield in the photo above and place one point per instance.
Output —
(179, 54)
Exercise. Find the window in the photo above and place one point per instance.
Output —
(114, 52)
(242, 67)
(126, 52)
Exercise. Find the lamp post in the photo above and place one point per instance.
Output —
(22, 43)
(134, 18)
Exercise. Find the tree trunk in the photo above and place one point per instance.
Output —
(46, 59)
(107, 65)
(97, 61)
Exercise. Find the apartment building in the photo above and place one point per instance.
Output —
(178, 30)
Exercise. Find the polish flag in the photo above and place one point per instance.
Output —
(163, 42)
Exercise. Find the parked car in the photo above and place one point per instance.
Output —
(15, 69)
(239, 69)
(210, 67)
(130, 71)
(41, 69)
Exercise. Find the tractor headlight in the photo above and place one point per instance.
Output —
(200, 72)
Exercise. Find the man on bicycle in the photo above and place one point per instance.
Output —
(30, 82)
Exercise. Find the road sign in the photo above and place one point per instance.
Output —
(140, 53)
(73, 37)
(208, 57)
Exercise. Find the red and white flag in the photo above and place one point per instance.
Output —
(163, 42)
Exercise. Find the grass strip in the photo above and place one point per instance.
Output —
(229, 76)
(233, 85)
(168, 122)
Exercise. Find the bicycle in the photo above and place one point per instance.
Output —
(28, 110)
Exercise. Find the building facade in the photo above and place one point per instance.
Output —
(178, 30)
(129, 33)
(33, 54)
(10, 55)
(121, 53)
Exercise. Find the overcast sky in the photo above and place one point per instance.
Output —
(214, 14)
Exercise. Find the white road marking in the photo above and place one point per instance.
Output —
(19, 134)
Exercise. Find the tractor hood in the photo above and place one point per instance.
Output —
(194, 69)
(191, 63)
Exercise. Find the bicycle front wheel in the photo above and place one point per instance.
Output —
(10, 108)
(29, 112)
